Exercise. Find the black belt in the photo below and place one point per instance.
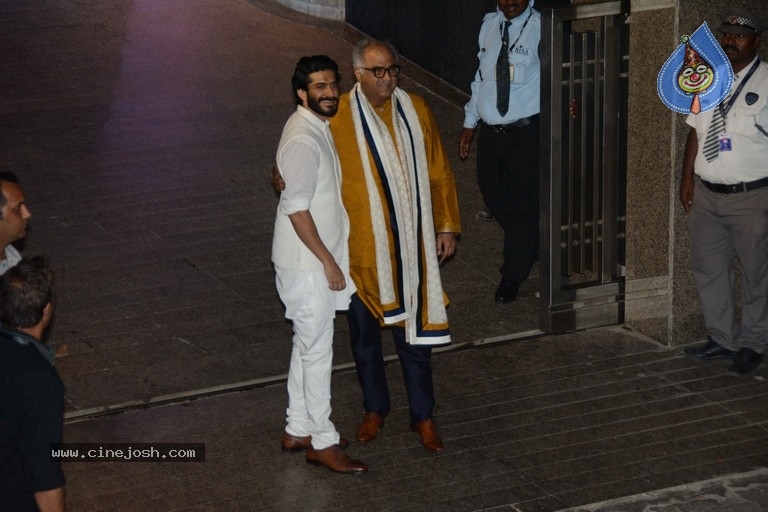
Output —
(507, 128)
(736, 188)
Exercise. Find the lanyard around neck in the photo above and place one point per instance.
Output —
(727, 108)
(513, 45)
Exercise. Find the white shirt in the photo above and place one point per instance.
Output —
(748, 158)
(307, 158)
(12, 257)
(524, 97)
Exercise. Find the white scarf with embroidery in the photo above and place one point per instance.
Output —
(403, 163)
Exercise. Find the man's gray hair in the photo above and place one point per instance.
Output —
(358, 53)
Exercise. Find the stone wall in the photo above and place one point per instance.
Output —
(650, 156)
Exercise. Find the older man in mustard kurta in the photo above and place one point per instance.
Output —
(400, 194)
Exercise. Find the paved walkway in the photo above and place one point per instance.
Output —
(576, 422)
(144, 133)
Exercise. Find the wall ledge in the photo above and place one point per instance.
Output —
(647, 298)
(326, 9)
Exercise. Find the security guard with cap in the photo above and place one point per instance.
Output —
(727, 149)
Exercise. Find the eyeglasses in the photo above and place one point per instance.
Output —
(380, 72)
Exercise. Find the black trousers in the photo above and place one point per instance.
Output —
(415, 362)
(508, 176)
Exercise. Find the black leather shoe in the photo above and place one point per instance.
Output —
(506, 292)
(746, 361)
(708, 351)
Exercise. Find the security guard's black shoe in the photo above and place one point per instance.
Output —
(708, 351)
(745, 362)
(506, 292)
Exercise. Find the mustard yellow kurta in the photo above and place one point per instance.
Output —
(362, 258)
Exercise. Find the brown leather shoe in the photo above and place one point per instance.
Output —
(369, 428)
(335, 459)
(291, 443)
(427, 430)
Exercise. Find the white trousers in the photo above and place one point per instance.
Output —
(309, 303)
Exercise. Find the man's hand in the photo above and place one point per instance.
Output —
(446, 246)
(51, 501)
(277, 179)
(574, 108)
(686, 193)
(335, 276)
(465, 142)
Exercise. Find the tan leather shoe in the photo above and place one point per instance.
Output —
(427, 430)
(291, 443)
(335, 459)
(369, 428)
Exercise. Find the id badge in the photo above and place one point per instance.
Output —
(511, 74)
(725, 142)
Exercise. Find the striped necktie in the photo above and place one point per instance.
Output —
(711, 148)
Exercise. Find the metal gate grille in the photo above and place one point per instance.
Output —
(583, 165)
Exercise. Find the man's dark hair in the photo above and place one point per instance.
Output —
(8, 176)
(25, 290)
(308, 65)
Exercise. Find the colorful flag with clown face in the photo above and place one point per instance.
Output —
(697, 76)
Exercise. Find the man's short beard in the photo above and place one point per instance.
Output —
(314, 105)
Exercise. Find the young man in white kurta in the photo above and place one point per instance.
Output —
(311, 259)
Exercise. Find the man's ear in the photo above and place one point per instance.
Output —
(48, 312)
(302, 94)
(358, 73)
